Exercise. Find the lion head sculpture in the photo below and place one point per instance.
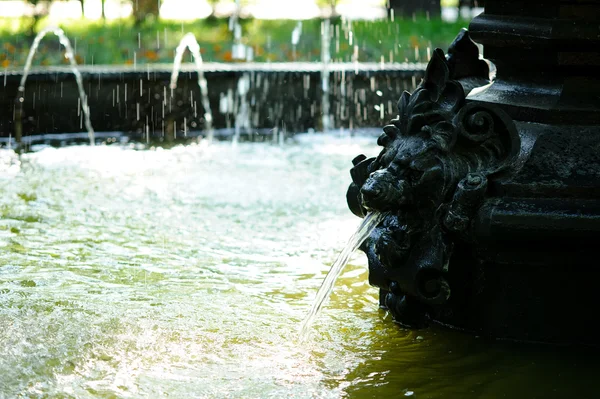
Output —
(432, 173)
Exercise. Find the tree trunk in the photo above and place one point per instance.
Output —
(471, 3)
(32, 30)
(407, 8)
(144, 8)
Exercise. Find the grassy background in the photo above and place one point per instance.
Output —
(119, 42)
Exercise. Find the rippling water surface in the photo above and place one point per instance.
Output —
(186, 272)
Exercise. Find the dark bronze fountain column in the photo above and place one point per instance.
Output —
(491, 188)
(547, 54)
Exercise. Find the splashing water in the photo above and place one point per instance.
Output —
(189, 41)
(364, 230)
(124, 279)
(296, 33)
(70, 55)
(242, 118)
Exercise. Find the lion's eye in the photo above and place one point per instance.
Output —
(413, 175)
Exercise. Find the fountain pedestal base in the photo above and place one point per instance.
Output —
(493, 187)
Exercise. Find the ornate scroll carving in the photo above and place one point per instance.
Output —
(431, 177)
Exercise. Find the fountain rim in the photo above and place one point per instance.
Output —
(300, 67)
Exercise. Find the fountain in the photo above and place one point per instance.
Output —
(179, 271)
(189, 41)
(492, 187)
(69, 55)
(123, 93)
(137, 104)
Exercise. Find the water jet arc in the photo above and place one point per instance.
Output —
(70, 55)
(189, 41)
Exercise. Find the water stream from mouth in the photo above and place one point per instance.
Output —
(364, 230)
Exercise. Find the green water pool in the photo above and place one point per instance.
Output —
(185, 273)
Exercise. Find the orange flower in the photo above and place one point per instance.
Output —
(9, 47)
(151, 55)
(414, 41)
(217, 48)
(128, 62)
(227, 56)
(5, 63)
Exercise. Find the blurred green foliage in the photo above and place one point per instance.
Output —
(152, 41)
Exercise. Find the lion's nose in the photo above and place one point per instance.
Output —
(370, 191)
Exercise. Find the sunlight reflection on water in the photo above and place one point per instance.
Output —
(187, 272)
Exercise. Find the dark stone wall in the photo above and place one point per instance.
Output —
(142, 105)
